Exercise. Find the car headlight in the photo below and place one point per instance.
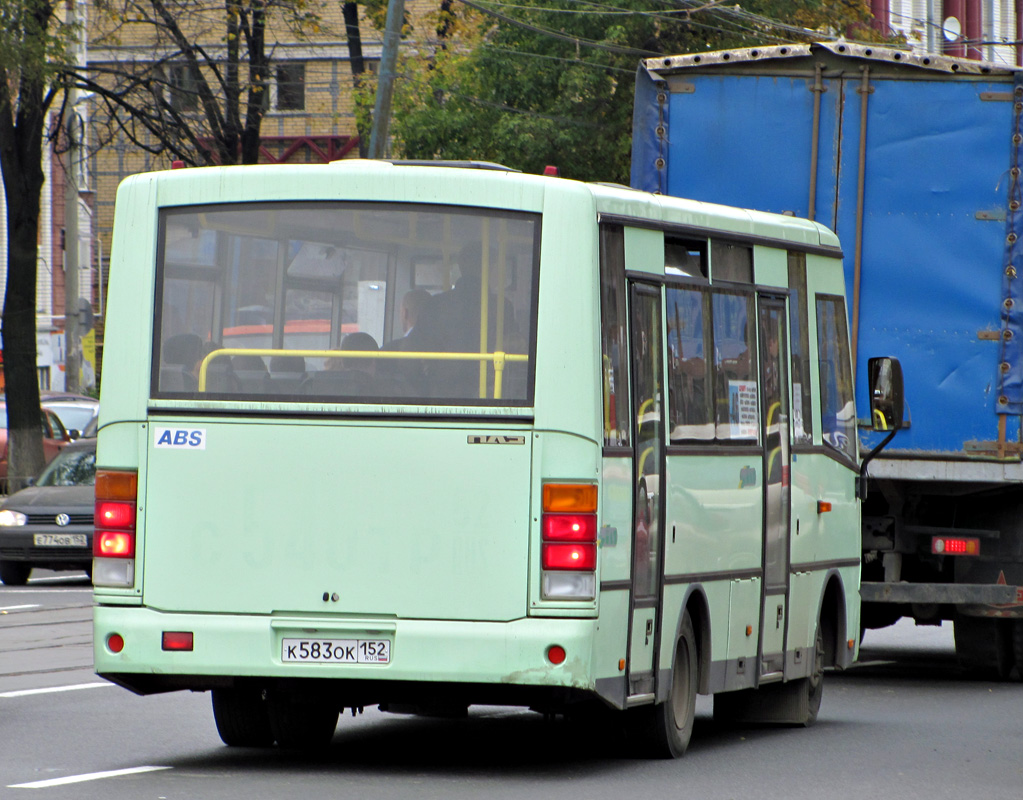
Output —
(9, 518)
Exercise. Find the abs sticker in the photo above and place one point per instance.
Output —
(179, 438)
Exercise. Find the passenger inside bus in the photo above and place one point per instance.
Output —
(183, 352)
(346, 376)
(450, 322)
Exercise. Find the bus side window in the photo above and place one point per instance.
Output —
(690, 388)
(613, 347)
(737, 414)
(731, 262)
(799, 338)
(838, 413)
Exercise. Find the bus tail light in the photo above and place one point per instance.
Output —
(955, 546)
(113, 543)
(568, 550)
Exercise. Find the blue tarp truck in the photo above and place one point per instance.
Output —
(915, 162)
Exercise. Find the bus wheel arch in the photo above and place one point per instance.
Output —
(831, 621)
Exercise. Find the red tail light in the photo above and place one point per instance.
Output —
(569, 556)
(115, 514)
(113, 544)
(570, 527)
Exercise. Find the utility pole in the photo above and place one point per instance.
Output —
(385, 82)
(72, 360)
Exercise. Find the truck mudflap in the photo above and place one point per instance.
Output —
(939, 593)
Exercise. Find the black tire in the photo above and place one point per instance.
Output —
(15, 573)
(668, 726)
(242, 717)
(984, 646)
(812, 691)
(301, 723)
(1017, 646)
(796, 702)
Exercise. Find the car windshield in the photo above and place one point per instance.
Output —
(72, 415)
(73, 467)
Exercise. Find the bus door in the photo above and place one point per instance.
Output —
(648, 467)
(774, 433)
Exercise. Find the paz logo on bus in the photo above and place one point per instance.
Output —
(481, 439)
(179, 438)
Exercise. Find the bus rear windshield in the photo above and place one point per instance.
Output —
(346, 302)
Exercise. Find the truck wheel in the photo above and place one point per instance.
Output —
(1017, 646)
(664, 729)
(301, 723)
(242, 717)
(15, 573)
(984, 647)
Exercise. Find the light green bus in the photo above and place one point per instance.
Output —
(427, 436)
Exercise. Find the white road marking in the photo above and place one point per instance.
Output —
(53, 689)
(5, 609)
(91, 776)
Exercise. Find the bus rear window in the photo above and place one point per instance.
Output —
(343, 302)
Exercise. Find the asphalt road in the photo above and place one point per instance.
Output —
(904, 723)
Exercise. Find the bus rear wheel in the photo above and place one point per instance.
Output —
(301, 722)
(242, 717)
(667, 727)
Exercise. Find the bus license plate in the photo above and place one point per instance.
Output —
(337, 651)
(60, 540)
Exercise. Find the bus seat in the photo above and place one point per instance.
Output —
(250, 372)
(340, 383)
(286, 374)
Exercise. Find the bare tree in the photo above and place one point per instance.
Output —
(34, 45)
(189, 80)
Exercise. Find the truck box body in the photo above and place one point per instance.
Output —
(912, 160)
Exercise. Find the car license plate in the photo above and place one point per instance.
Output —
(60, 540)
(337, 651)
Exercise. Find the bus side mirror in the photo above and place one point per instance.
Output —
(886, 393)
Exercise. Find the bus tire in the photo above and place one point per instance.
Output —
(242, 717)
(669, 725)
(795, 702)
(15, 573)
(301, 723)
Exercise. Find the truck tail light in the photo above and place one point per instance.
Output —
(955, 546)
(113, 543)
(568, 549)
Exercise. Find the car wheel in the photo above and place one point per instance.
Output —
(15, 573)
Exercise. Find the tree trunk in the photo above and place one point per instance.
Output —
(24, 434)
(354, 38)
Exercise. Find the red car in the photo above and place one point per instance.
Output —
(54, 439)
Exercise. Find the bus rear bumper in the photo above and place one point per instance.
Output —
(490, 659)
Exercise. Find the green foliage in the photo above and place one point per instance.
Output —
(551, 81)
(34, 42)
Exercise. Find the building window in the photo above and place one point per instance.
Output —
(290, 87)
(184, 88)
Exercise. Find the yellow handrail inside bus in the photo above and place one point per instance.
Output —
(499, 359)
